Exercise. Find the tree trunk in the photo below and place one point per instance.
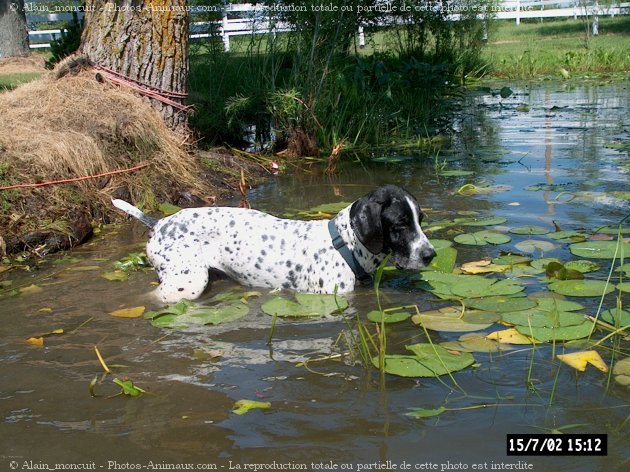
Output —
(145, 41)
(13, 29)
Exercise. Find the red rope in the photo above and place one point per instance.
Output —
(145, 89)
(75, 179)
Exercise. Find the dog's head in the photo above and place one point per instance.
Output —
(387, 220)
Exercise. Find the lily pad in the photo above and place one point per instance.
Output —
(624, 287)
(429, 360)
(450, 319)
(441, 243)
(445, 259)
(474, 342)
(599, 249)
(510, 336)
(621, 371)
(563, 333)
(616, 317)
(582, 266)
(612, 229)
(501, 287)
(490, 221)
(482, 238)
(555, 304)
(511, 259)
(449, 286)
(556, 270)
(502, 304)
(532, 245)
(529, 229)
(484, 266)
(581, 288)
(385, 317)
(308, 304)
(543, 319)
(543, 262)
(186, 313)
(567, 236)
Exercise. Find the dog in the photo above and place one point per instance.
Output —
(260, 250)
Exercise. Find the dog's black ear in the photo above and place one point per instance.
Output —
(365, 220)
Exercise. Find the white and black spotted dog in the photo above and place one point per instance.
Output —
(258, 249)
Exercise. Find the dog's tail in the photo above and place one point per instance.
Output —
(133, 211)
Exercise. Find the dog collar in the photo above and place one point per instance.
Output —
(340, 245)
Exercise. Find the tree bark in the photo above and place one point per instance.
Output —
(13, 29)
(145, 41)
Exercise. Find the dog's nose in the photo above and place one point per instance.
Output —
(428, 255)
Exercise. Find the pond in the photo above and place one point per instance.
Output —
(550, 155)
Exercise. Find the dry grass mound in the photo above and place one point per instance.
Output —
(76, 127)
(22, 65)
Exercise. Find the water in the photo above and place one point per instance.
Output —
(332, 412)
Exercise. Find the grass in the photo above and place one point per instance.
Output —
(11, 81)
(536, 49)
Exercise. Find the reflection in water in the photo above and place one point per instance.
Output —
(330, 410)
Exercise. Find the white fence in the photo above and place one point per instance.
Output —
(245, 18)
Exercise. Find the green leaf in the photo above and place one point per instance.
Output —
(448, 286)
(428, 361)
(581, 288)
(441, 243)
(555, 270)
(128, 388)
(624, 287)
(450, 319)
(133, 261)
(511, 259)
(582, 266)
(621, 371)
(599, 249)
(445, 259)
(555, 304)
(482, 238)
(613, 229)
(474, 342)
(186, 313)
(532, 245)
(308, 304)
(616, 317)
(564, 333)
(567, 236)
(496, 288)
(243, 406)
(168, 209)
(425, 412)
(529, 229)
(543, 319)
(491, 221)
(377, 317)
(501, 304)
